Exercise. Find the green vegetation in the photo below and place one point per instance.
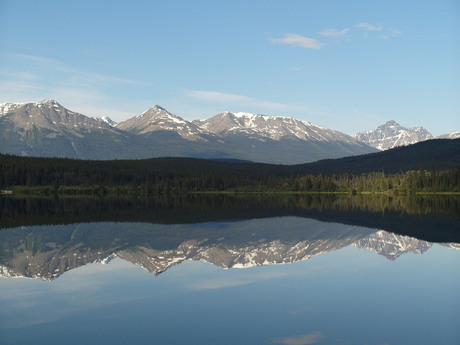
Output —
(174, 175)
(427, 167)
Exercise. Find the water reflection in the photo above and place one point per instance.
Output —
(332, 272)
(435, 218)
(47, 251)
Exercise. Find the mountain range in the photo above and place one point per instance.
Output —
(48, 129)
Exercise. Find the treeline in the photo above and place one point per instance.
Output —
(182, 175)
(408, 182)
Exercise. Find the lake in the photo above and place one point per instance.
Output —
(222, 269)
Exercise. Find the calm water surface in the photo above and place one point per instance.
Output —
(295, 278)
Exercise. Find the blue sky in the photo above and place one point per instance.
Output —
(347, 65)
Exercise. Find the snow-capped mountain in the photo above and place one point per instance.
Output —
(278, 139)
(47, 114)
(159, 119)
(273, 127)
(48, 129)
(392, 134)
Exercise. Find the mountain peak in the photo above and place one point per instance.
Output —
(158, 118)
(156, 110)
(392, 134)
(49, 102)
(47, 128)
(391, 123)
(158, 107)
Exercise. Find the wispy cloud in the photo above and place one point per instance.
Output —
(334, 32)
(369, 27)
(215, 96)
(391, 33)
(303, 339)
(33, 78)
(296, 40)
(234, 99)
(385, 32)
(55, 65)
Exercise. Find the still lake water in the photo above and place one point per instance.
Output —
(223, 270)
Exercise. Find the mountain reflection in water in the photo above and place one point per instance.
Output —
(349, 275)
(224, 231)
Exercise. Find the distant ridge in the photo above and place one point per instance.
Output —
(450, 135)
(430, 154)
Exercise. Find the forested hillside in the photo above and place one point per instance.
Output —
(432, 166)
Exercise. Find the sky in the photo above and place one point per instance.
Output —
(346, 65)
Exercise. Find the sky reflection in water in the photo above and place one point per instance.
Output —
(346, 296)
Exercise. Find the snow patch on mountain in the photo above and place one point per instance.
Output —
(5, 108)
(107, 120)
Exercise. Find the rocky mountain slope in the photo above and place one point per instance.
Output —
(159, 119)
(392, 134)
(48, 129)
(269, 127)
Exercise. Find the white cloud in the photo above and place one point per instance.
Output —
(234, 99)
(391, 33)
(296, 40)
(334, 32)
(385, 33)
(369, 27)
(215, 96)
(303, 339)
